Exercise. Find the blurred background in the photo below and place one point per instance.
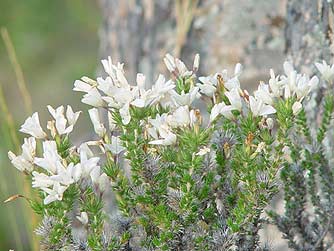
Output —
(55, 42)
(46, 45)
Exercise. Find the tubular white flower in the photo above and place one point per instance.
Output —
(168, 138)
(238, 69)
(263, 93)
(304, 86)
(140, 80)
(169, 62)
(81, 86)
(116, 145)
(296, 107)
(203, 151)
(258, 107)
(50, 157)
(67, 175)
(41, 180)
(111, 122)
(93, 98)
(234, 98)
(161, 131)
(72, 117)
(221, 109)
(108, 66)
(327, 71)
(208, 85)
(87, 163)
(176, 66)
(160, 91)
(289, 80)
(196, 62)
(24, 162)
(56, 193)
(180, 117)
(98, 126)
(60, 120)
(32, 126)
(275, 85)
(125, 114)
(83, 218)
(186, 98)
(105, 85)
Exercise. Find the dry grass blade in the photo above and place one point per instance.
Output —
(9, 120)
(18, 70)
(31, 219)
(185, 13)
(30, 216)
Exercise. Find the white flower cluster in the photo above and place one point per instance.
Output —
(53, 174)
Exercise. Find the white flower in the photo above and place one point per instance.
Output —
(232, 83)
(50, 157)
(208, 85)
(19, 162)
(87, 164)
(125, 114)
(258, 108)
(176, 66)
(111, 122)
(297, 84)
(234, 98)
(263, 93)
(93, 98)
(140, 79)
(270, 123)
(158, 122)
(161, 131)
(60, 120)
(327, 71)
(203, 151)
(116, 145)
(85, 148)
(304, 86)
(221, 109)
(289, 80)
(120, 76)
(24, 162)
(108, 66)
(195, 117)
(169, 62)
(196, 62)
(168, 138)
(81, 86)
(186, 98)
(160, 91)
(100, 181)
(67, 175)
(71, 116)
(56, 193)
(32, 126)
(105, 85)
(180, 117)
(83, 218)
(238, 70)
(296, 107)
(275, 84)
(41, 180)
(98, 126)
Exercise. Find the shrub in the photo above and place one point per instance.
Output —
(189, 164)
